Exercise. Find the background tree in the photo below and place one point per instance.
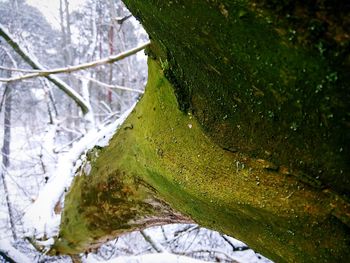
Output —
(6, 103)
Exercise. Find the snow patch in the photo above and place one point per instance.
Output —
(13, 253)
(147, 258)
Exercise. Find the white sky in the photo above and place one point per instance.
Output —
(50, 9)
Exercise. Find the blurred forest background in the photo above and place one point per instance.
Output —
(40, 126)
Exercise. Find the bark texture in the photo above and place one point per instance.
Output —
(244, 127)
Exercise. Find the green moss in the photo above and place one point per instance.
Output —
(167, 156)
(245, 120)
(253, 74)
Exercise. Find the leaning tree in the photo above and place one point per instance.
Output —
(243, 128)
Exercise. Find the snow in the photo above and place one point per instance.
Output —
(40, 219)
(107, 132)
(249, 256)
(179, 239)
(235, 242)
(89, 116)
(147, 258)
(13, 253)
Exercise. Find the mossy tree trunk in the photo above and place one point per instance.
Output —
(244, 128)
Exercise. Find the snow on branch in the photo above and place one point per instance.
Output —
(70, 69)
(36, 65)
(40, 219)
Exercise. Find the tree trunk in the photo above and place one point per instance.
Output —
(5, 152)
(244, 127)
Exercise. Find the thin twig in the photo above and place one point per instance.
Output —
(20, 70)
(108, 85)
(211, 251)
(110, 59)
(234, 248)
(121, 20)
(157, 246)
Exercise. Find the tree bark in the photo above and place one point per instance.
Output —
(244, 127)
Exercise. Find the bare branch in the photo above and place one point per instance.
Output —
(19, 69)
(6, 257)
(121, 20)
(110, 86)
(36, 65)
(233, 246)
(111, 59)
(157, 246)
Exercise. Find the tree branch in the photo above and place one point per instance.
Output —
(36, 65)
(6, 257)
(19, 69)
(121, 20)
(108, 85)
(233, 246)
(47, 73)
(157, 246)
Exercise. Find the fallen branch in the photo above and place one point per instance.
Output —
(47, 73)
